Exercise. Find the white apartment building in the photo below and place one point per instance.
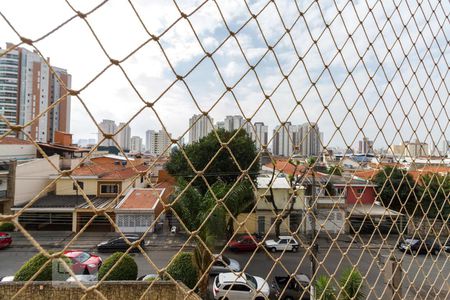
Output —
(27, 87)
(200, 126)
(157, 142)
(283, 140)
(136, 144)
(107, 126)
(260, 135)
(309, 140)
(124, 136)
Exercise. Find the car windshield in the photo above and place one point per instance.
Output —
(251, 280)
(82, 257)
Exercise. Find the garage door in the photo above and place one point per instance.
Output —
(46, 220)
(134, 222)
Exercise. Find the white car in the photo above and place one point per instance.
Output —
(223, 264)
(83, 278)
(240, 287)
(285, 242)
(7, 279)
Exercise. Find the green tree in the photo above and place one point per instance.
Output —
(351, 283)
(222, 166)
(183, 268)
(34, 264)
(396, 188)
(324, 288)
(335, 170)
(126, 269)
(435, 191)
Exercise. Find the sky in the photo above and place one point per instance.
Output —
(372, 68)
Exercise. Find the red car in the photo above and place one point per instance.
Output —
(244, 243)
(5, 240)
(83, 262)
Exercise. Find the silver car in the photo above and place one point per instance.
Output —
(223, 264)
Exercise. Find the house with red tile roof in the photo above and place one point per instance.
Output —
(140, 210)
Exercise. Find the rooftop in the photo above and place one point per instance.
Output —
(141, 198)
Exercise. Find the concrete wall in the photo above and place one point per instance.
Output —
(111, 290)
(8, 151)
(32, 177)
(64, 186)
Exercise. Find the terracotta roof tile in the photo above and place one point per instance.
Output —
(141, 199)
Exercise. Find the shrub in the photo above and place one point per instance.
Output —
(7, 226)
(126, 269)
(183, 268)
(351, 283)
(324, 288)
(51, 270)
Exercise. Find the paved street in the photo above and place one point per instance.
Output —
(421, 272)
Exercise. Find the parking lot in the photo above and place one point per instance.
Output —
(420, 272)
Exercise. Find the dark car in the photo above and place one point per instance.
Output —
(83, 262)
(244, 243)
(5, 240)
(297, 287)
(120, 244)
(417, 246)
(447, 247)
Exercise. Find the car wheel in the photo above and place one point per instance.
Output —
(414, 252)
(294, 249)
(436, 252)
(273, 250)
(259, 298)
(288, 298)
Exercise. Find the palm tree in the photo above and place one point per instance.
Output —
(324, 288)
(351, 283)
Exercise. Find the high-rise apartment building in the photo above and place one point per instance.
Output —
(157, 142)
(136, 144)
(283, 141)
(410, 149)
(124, 136)
(200, 126)
(260, 135)
(28, 86)
(109, 127)
(365, 146)
(308, 139)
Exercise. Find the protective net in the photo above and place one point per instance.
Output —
(312, 218)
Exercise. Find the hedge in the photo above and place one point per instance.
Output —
(52, 271)
(7, 226)
(127, 269)
(183, 268)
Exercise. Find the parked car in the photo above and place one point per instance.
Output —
(223, 264)
(287, 288)
(83, 278)
(240, 286)
(284, 242)
(120, 244)
(5, 240)
(148, 277)
(83, 263)
(244, 243)
(447, 247)
(7, 279)
(417, 246)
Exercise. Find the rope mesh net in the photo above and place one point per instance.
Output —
(365, 68)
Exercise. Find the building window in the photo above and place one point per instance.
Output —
(359, 191)
(109, 188)
(80, 183)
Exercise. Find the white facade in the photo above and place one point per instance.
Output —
(261, 134)
(108, 126)
(136, 144)
(200, 126)
(9, 88)
(157, 142)
(309, 140)
(124, 136)
(17, 151)
(283, 140)
(34, 175)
